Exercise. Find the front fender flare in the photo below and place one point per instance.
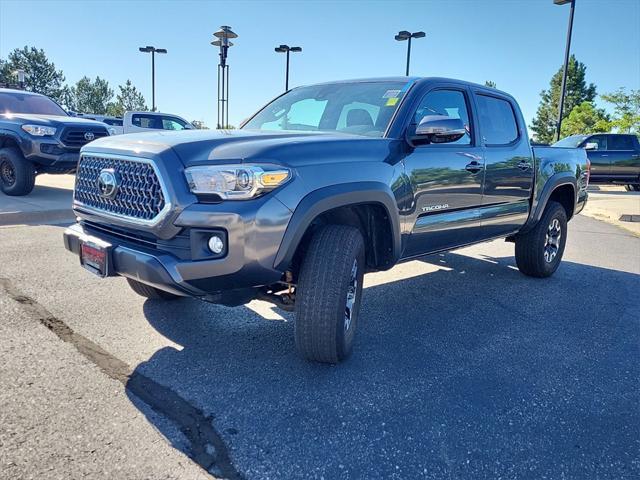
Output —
(332, 197)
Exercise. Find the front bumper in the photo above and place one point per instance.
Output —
(179, 265)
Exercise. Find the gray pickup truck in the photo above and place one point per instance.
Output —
(323, 184)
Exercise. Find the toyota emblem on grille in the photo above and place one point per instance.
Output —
(88, 136)
(108, 183)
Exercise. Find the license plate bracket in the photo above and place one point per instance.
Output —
(95, 256)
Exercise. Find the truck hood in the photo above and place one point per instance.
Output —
(49, 120)
(198, 147)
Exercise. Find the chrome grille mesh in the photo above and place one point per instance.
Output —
(139, 194)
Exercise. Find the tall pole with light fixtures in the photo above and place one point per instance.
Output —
(286, 49)
(405, 35)
(153, 51)
(223, 35)
(566, 63)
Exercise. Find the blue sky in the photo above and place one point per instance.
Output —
(518, 44)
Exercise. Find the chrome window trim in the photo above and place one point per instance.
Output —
(117, 216)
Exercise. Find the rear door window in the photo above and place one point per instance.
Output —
(497, 120)
(620, 142)
(146, 121)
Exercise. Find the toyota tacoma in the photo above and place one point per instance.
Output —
(38, 136)
(323, 184)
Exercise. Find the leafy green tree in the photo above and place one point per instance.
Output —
(129, 99)
(92, 96)
(585, 118)
(41, 75)
(544, 123)
(626, 110)
(199, 125)
(490, 83)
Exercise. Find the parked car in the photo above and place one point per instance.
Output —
(38, 136)
(323, 184)
(614, 157)
(133, 122)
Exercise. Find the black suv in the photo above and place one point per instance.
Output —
(38, 136)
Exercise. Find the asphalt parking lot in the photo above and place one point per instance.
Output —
(463, 368)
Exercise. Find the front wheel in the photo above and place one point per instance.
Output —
(149, 292)
(632, 188)
(328, 294)
(540, 250)
(17, 174)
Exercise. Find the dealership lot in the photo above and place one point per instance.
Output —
(464, 368)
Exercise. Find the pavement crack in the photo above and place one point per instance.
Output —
(207, 446)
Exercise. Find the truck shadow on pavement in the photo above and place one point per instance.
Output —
(473, 370)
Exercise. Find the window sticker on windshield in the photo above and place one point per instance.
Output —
(391, 93)
(391, 101)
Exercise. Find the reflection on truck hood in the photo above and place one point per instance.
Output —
(49, 120)
(196, 147)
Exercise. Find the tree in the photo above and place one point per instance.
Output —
(92, 97)
(129, 99)
(577, 91)
(199, 125)
(41, 75)
(490, 83)
(626, 110)
(584, 119)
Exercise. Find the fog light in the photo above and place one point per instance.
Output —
(216, 245)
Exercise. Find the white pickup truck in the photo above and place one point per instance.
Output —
(141, 122)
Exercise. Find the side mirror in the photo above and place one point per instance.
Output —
(439, 129)
(591, 146)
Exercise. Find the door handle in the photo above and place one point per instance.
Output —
(473, 167)
(524, 165)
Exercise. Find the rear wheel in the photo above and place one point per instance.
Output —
(328, 294)
(17, 174)
(150, 292)
(540, 250)
(632, 188)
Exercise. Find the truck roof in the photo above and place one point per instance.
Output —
(15, 90)
(416, 80)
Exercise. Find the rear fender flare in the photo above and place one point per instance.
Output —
(555, 181)
(328, 198)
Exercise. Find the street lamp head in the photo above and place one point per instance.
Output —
(282, 49)
(562, 2)
(225, 32)
(161, 50)
(296, 49)
(146, 49)
(218, 43)
(418, 34)
(403, 35)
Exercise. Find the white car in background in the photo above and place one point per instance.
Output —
(141, 122)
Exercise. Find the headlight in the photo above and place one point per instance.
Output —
(39, 130)
(236, 182)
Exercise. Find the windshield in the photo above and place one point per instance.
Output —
(16, 102)
(359, 108)
(570, 142)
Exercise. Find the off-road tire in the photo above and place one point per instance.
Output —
(150, 292)
(530, 247)
(17, 174)
(324, 283)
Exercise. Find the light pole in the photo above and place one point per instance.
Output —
(223, 35)
(21, 78)
(286, 49)
(404, 35)
(566, 63)
(153, 51)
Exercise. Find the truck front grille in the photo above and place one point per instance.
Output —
(76, 137)
(137, 194)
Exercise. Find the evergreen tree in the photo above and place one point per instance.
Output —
(577, 91)
(41, 75)
(129, 99)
